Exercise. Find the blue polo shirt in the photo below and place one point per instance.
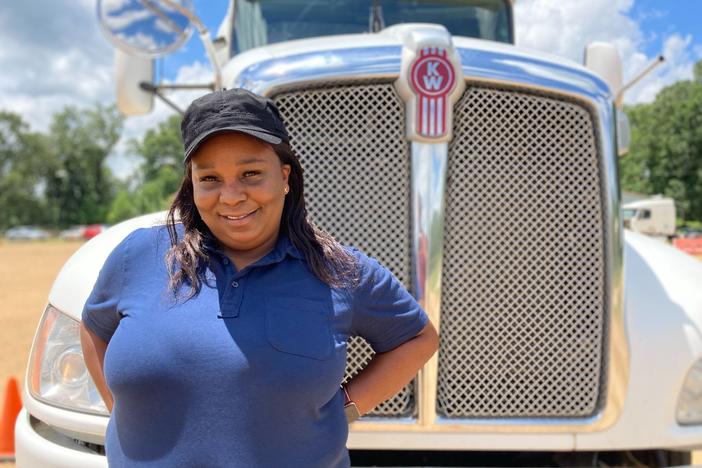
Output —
(245, 374)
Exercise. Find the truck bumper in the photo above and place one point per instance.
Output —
(37, 445)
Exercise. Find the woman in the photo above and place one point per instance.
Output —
(227, 330)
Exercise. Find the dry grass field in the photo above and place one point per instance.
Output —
(27, 270)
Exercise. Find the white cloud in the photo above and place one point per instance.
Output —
(677, 66)
(53, 55)
(566, 27)
(125, 19)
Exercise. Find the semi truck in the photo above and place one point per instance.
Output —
(484, 175)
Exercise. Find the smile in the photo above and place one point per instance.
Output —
(239, 218)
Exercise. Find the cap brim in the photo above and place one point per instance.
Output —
(267, 137)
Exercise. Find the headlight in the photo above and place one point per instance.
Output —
(57, 372)
(690, 400)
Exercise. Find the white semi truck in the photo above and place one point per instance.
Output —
(485, 176)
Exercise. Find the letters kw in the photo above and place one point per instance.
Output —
(432, 79)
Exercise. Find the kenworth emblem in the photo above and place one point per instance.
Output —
(430, 82)
(432, 77)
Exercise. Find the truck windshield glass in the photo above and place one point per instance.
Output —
(261, 22)
(628, 213)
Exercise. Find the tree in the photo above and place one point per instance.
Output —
(697, 72)
(79, 186)
(161, 172)
(666, 149)
(23, 158)
(155, 195)
(160, 147)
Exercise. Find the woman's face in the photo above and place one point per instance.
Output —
(239, 190)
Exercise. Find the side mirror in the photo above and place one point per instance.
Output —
(130, 72)
(603, 59)
(151, 28)
(623, 133)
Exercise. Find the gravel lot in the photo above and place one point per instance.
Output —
(27, 270)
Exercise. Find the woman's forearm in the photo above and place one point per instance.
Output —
(388, 372)
(94, 356)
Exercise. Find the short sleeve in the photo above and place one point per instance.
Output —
(100, 313)
(384, 313)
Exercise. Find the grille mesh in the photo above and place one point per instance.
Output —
(522, 318)
(350, 139)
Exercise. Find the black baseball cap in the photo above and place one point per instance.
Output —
(235, 110)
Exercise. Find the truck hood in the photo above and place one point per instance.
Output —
(658, 265)
(76, 279)
(381, 53)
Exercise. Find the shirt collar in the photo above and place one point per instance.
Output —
(283, 247)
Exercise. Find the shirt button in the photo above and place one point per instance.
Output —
(225, 261)
(235, 284)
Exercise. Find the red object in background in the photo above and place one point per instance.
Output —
(692, 246)
(92, 230)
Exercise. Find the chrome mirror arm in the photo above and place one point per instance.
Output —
(204, 37)
(156, 90)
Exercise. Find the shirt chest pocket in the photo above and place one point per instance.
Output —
(299, 326)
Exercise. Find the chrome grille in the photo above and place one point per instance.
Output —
(522, 313)
(350, 139)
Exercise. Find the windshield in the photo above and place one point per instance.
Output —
(629, 213)
(261, 22)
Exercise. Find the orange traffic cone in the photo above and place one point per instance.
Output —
(10, 410)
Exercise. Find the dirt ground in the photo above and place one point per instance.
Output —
(27, 270)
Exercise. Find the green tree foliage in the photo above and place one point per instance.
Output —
(79, 186)
(697, 72)
(161, 152)
(160, 147)
(154, 195)
(666, 149)
(23, 161)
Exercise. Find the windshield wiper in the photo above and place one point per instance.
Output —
(375, 20)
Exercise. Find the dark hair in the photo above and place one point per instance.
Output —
(187, 257)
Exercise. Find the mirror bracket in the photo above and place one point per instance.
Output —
(157, 91)
(204, 37)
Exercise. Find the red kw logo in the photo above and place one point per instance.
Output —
(432, 78)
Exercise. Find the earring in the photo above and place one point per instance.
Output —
(286, 190)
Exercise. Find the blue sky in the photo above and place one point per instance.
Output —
(53, 54)
(663, 18)
(211, 13)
